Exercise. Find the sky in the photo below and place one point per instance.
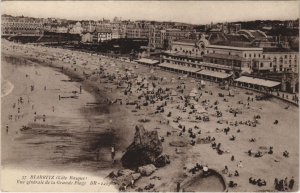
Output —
(195, 12)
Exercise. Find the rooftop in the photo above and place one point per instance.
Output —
(185, 41)
(235, 48)
(258, 81)
(278, 50)
(214, 74)
(224, 56)
(178, 67)
(103, 30)
(147, 61)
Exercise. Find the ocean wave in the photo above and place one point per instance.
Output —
(6, 88)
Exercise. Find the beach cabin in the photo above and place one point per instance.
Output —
(147, 62)
(213, 76)
(179, 69)
(257, 83)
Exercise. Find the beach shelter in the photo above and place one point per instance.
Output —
(150, 88)
(193, 92)
(202, 83)
(226, 86)
(199, 108)
(139, 79)
(145, 82)
(173, 93)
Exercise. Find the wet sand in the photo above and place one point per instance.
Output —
(283, 136)
(74, 135)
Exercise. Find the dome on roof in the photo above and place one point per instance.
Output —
(202, 43)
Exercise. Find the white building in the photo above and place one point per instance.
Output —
(76, 29)
(104, 35)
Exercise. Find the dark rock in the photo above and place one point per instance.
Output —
(125, 172)
(146, 170)
(113, 174)
(144, 149)
(124, 178)
(149, 186)
(162, 160)
(136, 176)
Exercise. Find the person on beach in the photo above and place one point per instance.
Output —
(232, 158)
(291, 183)
(178, 187)
(113, 153)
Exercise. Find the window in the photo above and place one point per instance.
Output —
(281, 60)
(250, 55)
(229, 53)
(264, 56)
(259, 55)
(245, 55)
(285, 56)
(214, 51)
(261, 64)
(270, 64)
(254, 55)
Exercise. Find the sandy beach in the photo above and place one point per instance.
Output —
(77, 135)
(66, 138)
